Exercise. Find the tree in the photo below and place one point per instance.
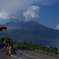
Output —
(2, 39)
(8, 39)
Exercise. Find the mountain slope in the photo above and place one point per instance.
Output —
(30, 31)
(34, 27)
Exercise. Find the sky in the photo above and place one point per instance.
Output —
(46, 12)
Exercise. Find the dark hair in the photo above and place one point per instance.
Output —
(10, 44)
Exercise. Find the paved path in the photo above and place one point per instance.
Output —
(16, 56)
(4, 56)
(37, 54)
(27, 54)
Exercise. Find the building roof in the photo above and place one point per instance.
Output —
(2, 27)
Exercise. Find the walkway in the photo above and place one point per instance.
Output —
(4, 56)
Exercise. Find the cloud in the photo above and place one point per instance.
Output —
(31, 13)
(15, 6)
(47, 2)
(57, 27)
(4, 15)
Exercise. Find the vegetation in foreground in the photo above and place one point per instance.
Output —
(36, 47)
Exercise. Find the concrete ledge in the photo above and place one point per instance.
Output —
(16, 57)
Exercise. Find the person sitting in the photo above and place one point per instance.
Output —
(9, 48)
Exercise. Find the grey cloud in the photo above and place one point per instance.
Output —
(31, 13)
(57, 27)
(12, 7)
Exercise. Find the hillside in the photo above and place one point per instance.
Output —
(30, 31)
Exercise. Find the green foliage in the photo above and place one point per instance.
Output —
(5, 39)
(2, 39)
(51, 50)
(47, 49)
(8, 39)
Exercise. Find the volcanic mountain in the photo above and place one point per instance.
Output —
(30, 31)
